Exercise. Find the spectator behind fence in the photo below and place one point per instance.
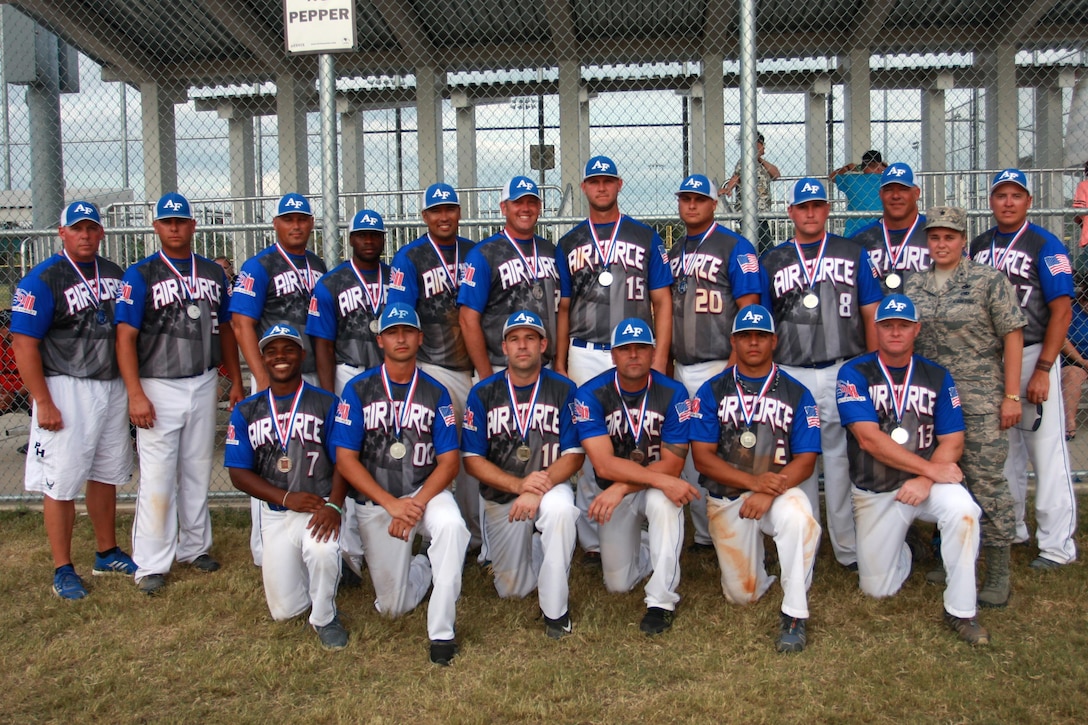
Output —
(1080, 201)
(861, 185)
(766, 172)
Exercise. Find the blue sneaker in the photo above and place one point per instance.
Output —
(67, 584)
(115, 562)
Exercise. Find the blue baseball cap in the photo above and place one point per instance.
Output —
(632, 331)
(896, 307)
(1011, 176)
(173, 206)
(79, 210)
(518, 187)
(898, 173)
(524, 318)
(367, 220)
(439, 194)
(601, 166)
(279, 331)
(753, 317)
(396, 314)
(698, 184)
(807, 189)
(293, 204)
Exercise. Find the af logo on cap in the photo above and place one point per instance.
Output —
(398, 314)
(895, 305)
(809, 189)
(172, 205)
(632, 330)
(526, 184)
(440, 194)
(81, 208)
(896, 171)
(367, 219)
(693, 183)
(522, 317)
(601, 165)
(293, 203)
(753, 317)
(280, 330)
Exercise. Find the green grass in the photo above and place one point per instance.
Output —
(207, 650)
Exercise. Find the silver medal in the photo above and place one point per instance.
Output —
(283, 464)
(810, 301)
(375, 326)
(900, 435)
(893, 281)
(523, 453)
(682, 287)
(193, 312)
(538, 292)
(604, 278)
(748, 439)
(398, 450)
(638, 456)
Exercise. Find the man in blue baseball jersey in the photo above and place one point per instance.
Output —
(1037, 264)
(395, 436)
(507, 272)
(633, 424)
(274, 286)
(518, 439)
(823, 291)
(905, 433)
(897, 241)
(611, 267)
(716, 272)
(278, 451)
(173, 330)
(755, 438)
(63, 336)
(426, 275)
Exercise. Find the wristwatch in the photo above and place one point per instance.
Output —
(1013, 398)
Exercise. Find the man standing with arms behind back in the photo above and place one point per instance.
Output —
(611, 267)
(1037, 264)
(63, 336)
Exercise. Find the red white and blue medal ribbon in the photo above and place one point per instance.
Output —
(283, 432)
(523, 424)
(893, 257)
(454, 278)
(186, 284)
(899, 400)
(749, 413)
(811, 268)
(531, 269)
(686, 267)
(636, 430)
(307, 281)
(400, 415)
(606, 253)
(374, 300)
(996, 261)
(93, 290)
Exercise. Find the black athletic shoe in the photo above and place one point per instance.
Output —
(656, 620)
(557, 628)
(791, 635)
(443, 651)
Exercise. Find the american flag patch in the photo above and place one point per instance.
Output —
(23, 301)
(812, 416)
(664, 256)
(748, 263)
(244, 283)
(396, 279)
(1058, 264)
(688, 409)
(448, 416)
(232, 440)
(579, 411)
(955, 396)
(343, 413)
(873, 269)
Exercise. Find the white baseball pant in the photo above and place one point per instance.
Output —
(93, 445)
(821, 382)
(1055, 500)
(884, 558)
(351, 546)
(401, 580)
(534, 554)
(627, 558)
(584, 364)
(692, 377)
(172, 521)
(466, 489)
(739, 545)
(255, 503)
(300, 572)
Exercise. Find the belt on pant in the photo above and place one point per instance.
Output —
(822, 365)
(590, 345)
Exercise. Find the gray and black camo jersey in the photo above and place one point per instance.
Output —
(640, 266)
(253, 442)
(154, 300)
(341, 310)
(54, 305)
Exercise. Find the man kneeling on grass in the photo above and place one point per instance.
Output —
(904, 437)
(278, 451)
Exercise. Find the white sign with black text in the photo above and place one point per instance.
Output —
(319, 26)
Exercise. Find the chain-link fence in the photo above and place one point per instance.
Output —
(119, 102)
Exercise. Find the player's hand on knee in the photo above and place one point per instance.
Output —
(324, 524)
(408, 509)
(524, 507)
(604, 506)
(49, 417)
(679, 491)
(756, 505)
(141, 412)
(914, 491)
(945, 472)
(304, 503)
(536, 482)
(774, 484)
(400, 529)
